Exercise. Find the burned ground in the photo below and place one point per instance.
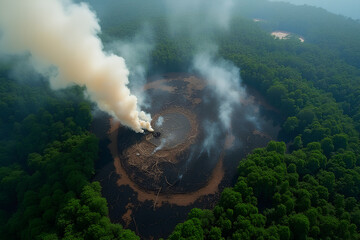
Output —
(146, 186)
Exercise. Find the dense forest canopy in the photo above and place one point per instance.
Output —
(305, 187)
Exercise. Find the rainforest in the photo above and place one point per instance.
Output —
(193, 119)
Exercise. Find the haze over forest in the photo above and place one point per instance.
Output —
(348, 8)
(189, 119)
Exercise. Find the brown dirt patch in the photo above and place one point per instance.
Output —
(262, 134)
(127, 216)
(194, 84)
(229, 141)
(160, 84)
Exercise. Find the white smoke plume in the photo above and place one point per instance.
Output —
(224, 80)
(199, 19)
(136, 50)
(61, 38)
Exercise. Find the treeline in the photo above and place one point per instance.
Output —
(332, 59)
(47, 161)
(335, 33)
(280, 71)
(302, 195)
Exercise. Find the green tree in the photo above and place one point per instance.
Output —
(299, 225)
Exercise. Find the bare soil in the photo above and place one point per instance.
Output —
(142, 157)
(143, 195)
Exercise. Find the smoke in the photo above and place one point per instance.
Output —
(253, 116)
(198, 17)
(348, 8)
(159, 122)
(161, 145)
(61, 39)
(163, 142)
(224, 80)
(136, 50)
(21, 70)
(212, 134)
(202, 21)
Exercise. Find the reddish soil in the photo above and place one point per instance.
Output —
(160, 84)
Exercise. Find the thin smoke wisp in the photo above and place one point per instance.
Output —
(224, 79)
(159, 121)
